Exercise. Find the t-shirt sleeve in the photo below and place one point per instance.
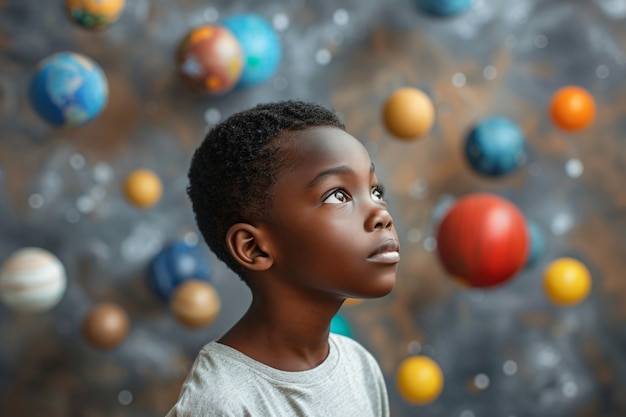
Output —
(204, 393)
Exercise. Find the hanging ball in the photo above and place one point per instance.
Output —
(210, 59)
(482, 240)
(567, 281)
(261, 46)
(68, 89)
(105, 326)
(143, 188)
(444, 7)
(495, 147)
(339, 325)
(419, 380)
(408, 113)
(572, 108)
(195, 304)
(32, 280)
(175, 263)
(94, 14)
(537, 243)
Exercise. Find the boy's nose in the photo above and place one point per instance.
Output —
(379, 218)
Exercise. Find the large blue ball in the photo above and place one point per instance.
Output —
(496, 146)
(177, 262)
(68, 89)
(260, 44)
(444, 7)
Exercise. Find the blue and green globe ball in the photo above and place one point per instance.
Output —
(261, 47)
(68, 89)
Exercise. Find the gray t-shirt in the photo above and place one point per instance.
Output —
(225, 382)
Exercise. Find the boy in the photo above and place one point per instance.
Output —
(290, 202)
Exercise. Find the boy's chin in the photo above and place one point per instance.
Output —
(375, 292)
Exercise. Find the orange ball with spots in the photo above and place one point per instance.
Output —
(210, 59)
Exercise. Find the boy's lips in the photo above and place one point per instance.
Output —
(387, 252)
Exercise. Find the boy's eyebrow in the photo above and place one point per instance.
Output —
(338, 170)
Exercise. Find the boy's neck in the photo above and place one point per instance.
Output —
(287, 334)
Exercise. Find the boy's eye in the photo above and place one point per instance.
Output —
(378, 193)
(337, 197)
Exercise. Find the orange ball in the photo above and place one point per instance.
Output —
(143, 188)
(105, 326)
(572, 108)
(408, 113)
(195, 303)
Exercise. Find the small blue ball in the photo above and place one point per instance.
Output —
(174, 264)
(444, 7)
(68, 89)
(261, 46)
(496, 146)
(537, 243)
(339, 325)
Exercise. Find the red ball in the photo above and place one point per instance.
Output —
(483, 240)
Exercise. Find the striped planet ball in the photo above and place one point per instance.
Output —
(32, 280)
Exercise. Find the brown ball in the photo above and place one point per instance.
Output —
(105, 326)
(195, 304)
(408, 113)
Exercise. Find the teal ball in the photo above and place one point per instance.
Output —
(339, 325)
(496, 146)
(68, 89)
(261, 47)
(444, 7)
(537, 243)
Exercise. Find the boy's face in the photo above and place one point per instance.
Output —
(331, 229)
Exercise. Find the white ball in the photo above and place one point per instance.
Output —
(32, 280)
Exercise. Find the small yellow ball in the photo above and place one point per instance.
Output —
(566, 281)
(419, 379)
(408, 113)
(143, 188)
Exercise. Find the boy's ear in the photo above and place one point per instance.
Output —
(246, 243)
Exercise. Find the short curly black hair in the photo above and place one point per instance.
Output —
(233, 170)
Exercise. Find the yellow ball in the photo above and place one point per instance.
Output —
(566, 281)
(143, 188)
(195, 304)
(419, 379)
(408, 113)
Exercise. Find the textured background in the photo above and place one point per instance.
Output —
(502, 57)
